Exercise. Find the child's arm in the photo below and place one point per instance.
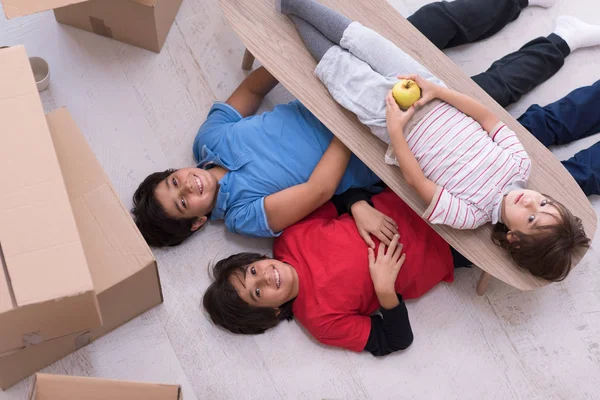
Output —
(462, 102)
(413, 174)
(469, 106)
(251, 92)
(290, 205)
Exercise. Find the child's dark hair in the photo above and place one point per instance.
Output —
(152, 220)
(227, 309)
(548, 253)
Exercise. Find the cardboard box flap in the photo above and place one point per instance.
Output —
(55, 387)
(110, 237)
(42, 251)
(19, 8)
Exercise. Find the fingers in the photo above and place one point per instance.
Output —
(383, 238)
(412, 77)
(397, 253)
(422, 101)
(371, 256)
(393, 244)
(390, 229)
(391, 102)
(401, 260)
(381, 251)
(367, 238)
(390, 221)
(410, 111)
(387, 231)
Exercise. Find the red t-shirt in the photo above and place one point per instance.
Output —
(336, 295)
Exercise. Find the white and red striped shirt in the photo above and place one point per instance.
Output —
(472, 168)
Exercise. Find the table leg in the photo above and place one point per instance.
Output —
(484, 280)
(247, 61)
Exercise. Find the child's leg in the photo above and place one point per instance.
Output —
(449, 24)
(350, 81)
(331, 23)
(573, 117)
(357, 87)
(315, 42)
(381, 54)
(585, 168)
(518, 73)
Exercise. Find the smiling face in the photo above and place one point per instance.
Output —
(188, 193)
(267, 283)
(526, 210)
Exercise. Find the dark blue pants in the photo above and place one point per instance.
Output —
(574, 117)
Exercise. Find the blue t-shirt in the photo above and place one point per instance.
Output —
(265, 154)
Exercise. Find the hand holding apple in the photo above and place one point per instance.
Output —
(406, 92)
(396, 118)
(429, 90)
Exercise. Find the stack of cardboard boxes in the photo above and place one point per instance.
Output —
(74, 265)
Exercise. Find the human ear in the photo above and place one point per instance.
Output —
(510, 237)
(198, 223)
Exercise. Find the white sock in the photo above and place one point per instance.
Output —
(542, 3)
(577, 33)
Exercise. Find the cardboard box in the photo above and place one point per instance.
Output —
(123, 269)
(103, 258)
(143, 23)
(62, 387)
(46, 289)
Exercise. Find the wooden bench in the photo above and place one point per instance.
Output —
(272, 38)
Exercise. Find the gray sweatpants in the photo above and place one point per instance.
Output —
(362, 69)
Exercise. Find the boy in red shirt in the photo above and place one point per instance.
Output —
(331, 281)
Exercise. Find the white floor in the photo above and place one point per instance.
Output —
(140, 111)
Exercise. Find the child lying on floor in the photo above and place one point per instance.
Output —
(454, 152)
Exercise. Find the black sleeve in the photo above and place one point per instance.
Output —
(391, 331)
(460, 261)
(344, 201)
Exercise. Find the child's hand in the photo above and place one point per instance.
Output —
(396, 118)
(429, 90)
(385, 268)
(370, 221)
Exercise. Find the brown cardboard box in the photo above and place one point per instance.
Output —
(46, 289)
(123, 268)
(62, 387)
(143, 23)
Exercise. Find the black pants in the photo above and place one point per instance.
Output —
(465, 21)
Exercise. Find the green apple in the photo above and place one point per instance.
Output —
(406, 92)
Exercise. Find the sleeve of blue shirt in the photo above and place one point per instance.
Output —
(249, 219)
(220, 118)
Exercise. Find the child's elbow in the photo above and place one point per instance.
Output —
(408, 340)
(410, 181)
(325, 195)
(323, 191)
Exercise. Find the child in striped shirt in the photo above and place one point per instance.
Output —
(454, 152)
